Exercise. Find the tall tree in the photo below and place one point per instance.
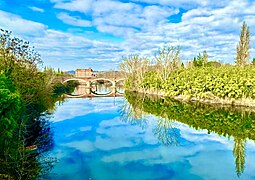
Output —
(167, 60)
(135, 68)
(242, 49)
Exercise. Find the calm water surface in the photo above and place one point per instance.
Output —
(108, 139)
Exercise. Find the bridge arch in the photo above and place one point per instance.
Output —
(86, 84)
(105, 80)
(77, 79)
(121, 79)
(116, 84)
(102, 79)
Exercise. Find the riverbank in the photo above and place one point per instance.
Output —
(213, 100)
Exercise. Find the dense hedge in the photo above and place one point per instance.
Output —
(229, 82)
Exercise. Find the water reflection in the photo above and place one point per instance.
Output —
(239, 153)
(225, 121)
(164, 131)
(99, 87)
(151, 138)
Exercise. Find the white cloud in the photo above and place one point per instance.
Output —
(184, 3)
(36, 9)
(118, 18)
(75, 21)
(214, 27)
(21, 26)
(60, 49)
(75, 5)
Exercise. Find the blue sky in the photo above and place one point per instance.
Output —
(72, 34)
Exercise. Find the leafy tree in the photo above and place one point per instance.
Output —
(14, 50)
(26, 94)
(242, 49)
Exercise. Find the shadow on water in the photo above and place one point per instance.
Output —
(238, 123)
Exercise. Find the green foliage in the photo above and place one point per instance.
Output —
(152, 80)
(19, 62)
(208, 82)
(16, 51)
(64, 88)
(26, 95)
(213, 64)
(10, 107)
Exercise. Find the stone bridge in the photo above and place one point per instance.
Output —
(85, 89)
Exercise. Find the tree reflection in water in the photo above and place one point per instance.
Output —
(165, 133)
(238, 123)
(134, 113)
(239, 153)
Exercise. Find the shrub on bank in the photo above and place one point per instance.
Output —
(208, 82)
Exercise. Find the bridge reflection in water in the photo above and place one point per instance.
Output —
(97, 87)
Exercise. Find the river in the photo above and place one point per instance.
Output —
(107, 138)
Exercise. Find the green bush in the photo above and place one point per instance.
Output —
(10, 106)
(223, 82)
(152, 80)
